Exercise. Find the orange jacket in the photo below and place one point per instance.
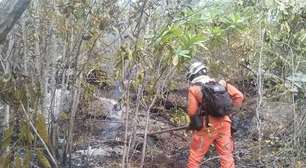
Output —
(195, 99)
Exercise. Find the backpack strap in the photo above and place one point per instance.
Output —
(201, 106)
(202, 110)
(226, 87)
(206, 111)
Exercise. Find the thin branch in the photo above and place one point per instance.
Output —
(137, 27)
(185, 127)
(146, 131)
(75, 104)
(159, 89)
(134, 123)
(39, 137)
(260, 94)
(124, 157)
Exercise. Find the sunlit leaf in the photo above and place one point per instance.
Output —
(203, 46)
(175, 60)
(182, 53)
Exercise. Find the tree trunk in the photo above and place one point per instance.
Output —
(53, 115)
(10, 12)
(76, 98)
(5, 111)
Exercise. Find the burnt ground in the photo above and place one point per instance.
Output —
(163, 150)
(272, 150)
(175, 144)
(170, 150)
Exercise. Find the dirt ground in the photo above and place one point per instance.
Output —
(170, 150)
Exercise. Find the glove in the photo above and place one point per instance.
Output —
(196, 122)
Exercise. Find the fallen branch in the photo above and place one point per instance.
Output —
(185, 127)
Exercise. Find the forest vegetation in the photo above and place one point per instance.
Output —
(83, 83)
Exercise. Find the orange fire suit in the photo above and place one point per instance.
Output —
(218, 131)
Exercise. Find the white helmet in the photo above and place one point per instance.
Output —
(196, 69)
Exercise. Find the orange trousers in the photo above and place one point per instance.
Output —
(218, 134)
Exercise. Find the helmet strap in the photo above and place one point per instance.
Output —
(192, 77)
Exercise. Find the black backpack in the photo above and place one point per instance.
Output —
(217, 101)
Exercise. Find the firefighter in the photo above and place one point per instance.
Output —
(215, 130)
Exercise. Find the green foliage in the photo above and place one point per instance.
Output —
(18, 163)
(234, 22)
(84, 18)
(14, 90)
(283, 47)
(179, 117)
(4, 160)
(178, 42)
(205, 32)
(138, 79)
(25, 134)
(230, 35)
(216, 34)
(42, 160)
(224, 34)
(24, 141)
(7, 138)
(41, 127)
(64, 116)
(27, 159)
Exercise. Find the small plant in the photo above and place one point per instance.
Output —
(179, 117)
